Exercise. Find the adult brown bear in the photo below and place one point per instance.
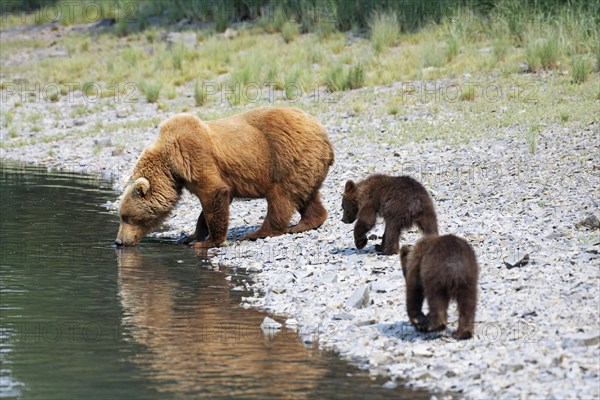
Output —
(281, 154)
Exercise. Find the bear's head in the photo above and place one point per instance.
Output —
(350, 203)
(404, 253)
(142, 209)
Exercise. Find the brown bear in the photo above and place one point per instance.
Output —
(281, 154)
(439, 269)
(401, 201)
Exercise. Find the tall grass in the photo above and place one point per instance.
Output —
(340, 78)
(151, 90)
(580, 69)
(290, 31)
(385, 30)
(543, 53)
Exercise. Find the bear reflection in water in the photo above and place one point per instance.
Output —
(199, 340)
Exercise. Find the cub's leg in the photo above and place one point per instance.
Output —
(312, 214)
(438, 309)
(367, 216)
(427, 223)
(391, 238)
(467, 302)
(414, 299)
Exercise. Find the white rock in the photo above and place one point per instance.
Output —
(360, 297)
(581, 339)
(270, 324)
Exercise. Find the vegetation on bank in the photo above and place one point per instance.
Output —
(480, 47)
(302, 43)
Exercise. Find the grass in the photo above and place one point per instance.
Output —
(384, 30)
(340, 78)
(467, 93)
(543, 53)
(580, 69)
(200, 96)
(289, 31)
(255, 56)
(531, 138)
(313, 53)
(151, 90)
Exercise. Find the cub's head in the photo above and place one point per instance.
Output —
(404, 254)
(141, 210)
(350, 203)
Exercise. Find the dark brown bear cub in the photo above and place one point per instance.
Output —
(401, 201)
(439, 269)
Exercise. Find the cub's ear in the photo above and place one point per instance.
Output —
(141, 186)
(350, 186)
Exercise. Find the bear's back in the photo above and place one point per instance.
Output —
(448, 258)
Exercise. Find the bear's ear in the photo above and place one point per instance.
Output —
(141, 186)
(350, 186)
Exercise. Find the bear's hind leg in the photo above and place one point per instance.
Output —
(427, 223)
(279, 213)
(390, 240)
(312, 214)
(467, 302)
(438, 310)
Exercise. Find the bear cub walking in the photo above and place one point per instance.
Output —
(439, 269)
(401, 201)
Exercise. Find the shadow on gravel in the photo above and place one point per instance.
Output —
(406, 332)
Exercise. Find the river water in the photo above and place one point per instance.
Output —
(80, 319)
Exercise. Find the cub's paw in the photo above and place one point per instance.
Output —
(462, 335)
(361, 241)
(379, 248)
(421, 323)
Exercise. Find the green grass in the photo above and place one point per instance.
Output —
(543, 53)
(384, 30)
(580, 69)
(467, 93)
(200, 96)
(151, 90)
(341, 78)
(290, 31)
(531, 138)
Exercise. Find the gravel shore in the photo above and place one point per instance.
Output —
(537, 326)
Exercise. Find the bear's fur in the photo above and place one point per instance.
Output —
(281, 154)
(401, 201)
(439, 269)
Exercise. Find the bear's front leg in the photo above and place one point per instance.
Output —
(200, 233)
(217, 219)
(365, 222)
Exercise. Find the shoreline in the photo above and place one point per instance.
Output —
(535, 324)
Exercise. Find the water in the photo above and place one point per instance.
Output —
(82, 320)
